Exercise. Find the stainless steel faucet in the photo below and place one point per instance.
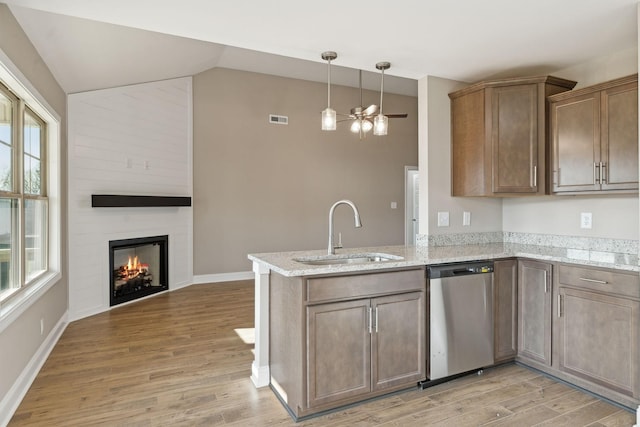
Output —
(332, 248)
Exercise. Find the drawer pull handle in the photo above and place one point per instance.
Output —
(602, 282)
(370, 320)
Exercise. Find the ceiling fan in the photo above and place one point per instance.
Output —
(362, 119)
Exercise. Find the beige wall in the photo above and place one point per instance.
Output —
(435, 167)
(260, 187)
(20, 340)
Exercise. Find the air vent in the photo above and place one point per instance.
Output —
(278, 120)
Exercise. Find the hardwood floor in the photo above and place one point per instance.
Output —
(179, 359)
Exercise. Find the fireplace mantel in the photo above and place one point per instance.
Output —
(127, 201)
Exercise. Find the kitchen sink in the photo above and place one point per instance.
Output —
(359, 258)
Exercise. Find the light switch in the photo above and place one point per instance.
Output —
(394, 205)
(466, 218)
(443, 219)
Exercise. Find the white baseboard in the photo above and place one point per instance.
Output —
(180, 285)
(223, 277)
(19, 389)
(260, 375)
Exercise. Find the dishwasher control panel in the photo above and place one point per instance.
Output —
(460, 269)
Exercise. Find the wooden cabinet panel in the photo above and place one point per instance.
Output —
(514, 138)
(576, 122)
(594, 134)
(619, 137)
(598, 339)
(364, 285)
(601, 280)
(534, 311)
(470, 169)
(505, 309)
(398, 340)
(339, 351)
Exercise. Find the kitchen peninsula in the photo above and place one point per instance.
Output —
(301, 289)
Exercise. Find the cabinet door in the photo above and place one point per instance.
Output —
(575, 136)
(534, 311)
(598, 339)
(514, 138)
(619, 137)
(398, 340)
(505, 309)
(469, 166)
(338, 351)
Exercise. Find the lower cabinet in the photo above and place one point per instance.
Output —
(358, 347)
(339, 351)
(598, 322)
(336, 340)
(534, 311)
(505, 310)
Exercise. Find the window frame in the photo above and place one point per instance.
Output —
(14, 305)
(19, 192)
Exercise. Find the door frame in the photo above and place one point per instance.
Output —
(410, 230)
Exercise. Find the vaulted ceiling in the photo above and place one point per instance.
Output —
(91, 44)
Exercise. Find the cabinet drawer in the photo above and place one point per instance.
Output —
(602, 280)
(364, 285)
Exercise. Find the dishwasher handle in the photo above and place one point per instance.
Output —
(455, 270)
(462, 271)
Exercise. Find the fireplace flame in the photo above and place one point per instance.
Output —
(134, 267)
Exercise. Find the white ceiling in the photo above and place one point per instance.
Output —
(91, 44)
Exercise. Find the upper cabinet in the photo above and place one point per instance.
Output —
(499, 136)
(594, 133)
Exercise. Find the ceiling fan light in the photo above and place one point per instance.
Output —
(329, 119)
(356, 126)
(366, 126)
(380, 125)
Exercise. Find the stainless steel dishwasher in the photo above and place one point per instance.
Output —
(460, 318)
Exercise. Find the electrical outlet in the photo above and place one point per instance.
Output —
(586, 220)
(466, 218)
(443, 219)
(394, 205)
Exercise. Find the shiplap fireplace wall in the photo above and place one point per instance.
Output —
(131, 140)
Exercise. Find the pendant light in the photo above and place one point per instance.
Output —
(381, 122)
(329, 114)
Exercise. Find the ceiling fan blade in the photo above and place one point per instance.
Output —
(397, 116)
(371, 110)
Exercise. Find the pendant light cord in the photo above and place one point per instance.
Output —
(329, 84)
(381, 89)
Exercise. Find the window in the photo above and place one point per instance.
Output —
(23, 196)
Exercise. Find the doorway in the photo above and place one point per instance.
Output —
(411, 205)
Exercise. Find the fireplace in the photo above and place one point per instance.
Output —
(138, 267)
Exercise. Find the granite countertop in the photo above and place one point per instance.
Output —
(283, 262)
